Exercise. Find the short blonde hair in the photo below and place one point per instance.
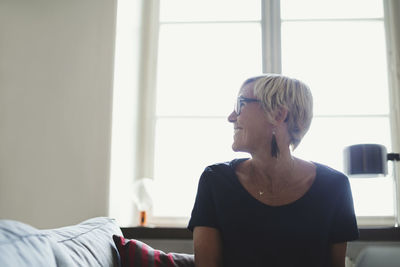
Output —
(277, 91)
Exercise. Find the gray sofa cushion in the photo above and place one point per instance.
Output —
(379, 256)
(89, 243)
(23, 245)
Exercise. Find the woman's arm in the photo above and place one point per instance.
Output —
(338, 254)
(207, 247)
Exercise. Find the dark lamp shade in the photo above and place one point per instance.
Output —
(365, 160)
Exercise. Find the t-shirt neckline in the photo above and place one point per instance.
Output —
(234, 163)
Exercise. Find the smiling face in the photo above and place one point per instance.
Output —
(252, 129)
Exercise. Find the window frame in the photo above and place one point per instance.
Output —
(271, 51)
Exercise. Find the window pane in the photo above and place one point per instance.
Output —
(209, 10)
(328, 9)
(328, 137)
(202, 66)
(344, 63)
(184, 147)
(373, 196)
(325, 142)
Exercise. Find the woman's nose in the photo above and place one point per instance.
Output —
(232, 117)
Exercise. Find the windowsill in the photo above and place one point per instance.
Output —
(366, 234)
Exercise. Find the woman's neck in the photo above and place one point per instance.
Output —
(271, 169)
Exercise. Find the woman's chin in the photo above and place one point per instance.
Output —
(234, 147)
(237, 147)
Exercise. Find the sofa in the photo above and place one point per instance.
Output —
(94, 242)
(100, 242)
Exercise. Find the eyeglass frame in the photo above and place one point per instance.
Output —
(238, 107)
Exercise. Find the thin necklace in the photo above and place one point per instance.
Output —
(260, 191)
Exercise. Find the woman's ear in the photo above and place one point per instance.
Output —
(280, 115)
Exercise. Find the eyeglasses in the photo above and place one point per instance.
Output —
(239, 103)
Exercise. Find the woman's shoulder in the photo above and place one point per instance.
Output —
(329, 174)
(224, 171)
(227, 166)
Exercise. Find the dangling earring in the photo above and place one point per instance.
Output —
(274, 146)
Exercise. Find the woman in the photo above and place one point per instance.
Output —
(272, 209)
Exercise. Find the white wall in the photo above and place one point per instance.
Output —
(56, 68)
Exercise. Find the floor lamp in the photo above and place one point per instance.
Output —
(370, 160)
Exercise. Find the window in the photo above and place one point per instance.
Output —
(206, 50)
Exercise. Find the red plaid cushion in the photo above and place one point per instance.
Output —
(134, 253)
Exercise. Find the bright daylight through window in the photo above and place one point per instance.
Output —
(206, 50)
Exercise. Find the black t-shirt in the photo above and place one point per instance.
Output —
(255, 234)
